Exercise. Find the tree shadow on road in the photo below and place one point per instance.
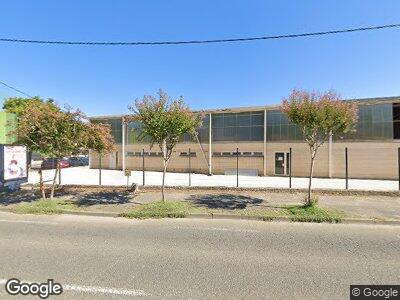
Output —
(224, 201)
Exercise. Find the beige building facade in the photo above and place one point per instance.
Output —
(264, 139)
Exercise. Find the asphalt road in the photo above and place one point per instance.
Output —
(109, 258)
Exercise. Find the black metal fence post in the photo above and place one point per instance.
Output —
(237, 167)
(144, 181)
(398, 162)
(290, 168)
(190, 169)
(347, 168)
(59, 175)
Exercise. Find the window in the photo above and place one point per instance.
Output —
(203, 132)
(396, 121)
(246, 126)
(279, 128)
(375, 122)
(116, 127)
(192, 154)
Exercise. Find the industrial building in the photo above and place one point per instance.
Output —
(264, 137)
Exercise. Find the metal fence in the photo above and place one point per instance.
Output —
(144, 177)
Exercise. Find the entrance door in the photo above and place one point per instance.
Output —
(282, 161)
(112, 161)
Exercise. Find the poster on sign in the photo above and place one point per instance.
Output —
(13, 163)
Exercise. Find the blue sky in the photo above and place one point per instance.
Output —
(105, 80)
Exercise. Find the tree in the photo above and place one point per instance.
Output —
(318, 116)
(17, 105)
(45, 128)
(164, 122)
(100, 139)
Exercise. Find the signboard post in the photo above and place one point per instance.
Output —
(127, 174)
(13, 166)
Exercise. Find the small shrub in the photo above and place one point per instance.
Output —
(313, 213)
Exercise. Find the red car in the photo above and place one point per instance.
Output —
(50, 163)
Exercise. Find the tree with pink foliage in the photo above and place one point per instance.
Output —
(319, 115)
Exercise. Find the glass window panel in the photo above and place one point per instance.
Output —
(292, 132)
(388, 130)
(376, 112)
(284, 132)
(283, 119)
(218, 120)
(229, 120)
(387, 113)
(366, 113)
(269, 133)
(367, 128)
(377, 130)
(257, 119)
(276, 133)
(206, 121)
(203, 134)
(272, 118)
(244, 119)
(257, 133)
(244, 133)
(299, 133)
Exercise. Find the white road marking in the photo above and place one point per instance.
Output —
(218, 229)
(28, 222)
(94, 289)
(103, 290)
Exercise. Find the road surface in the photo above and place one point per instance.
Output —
(106, 258)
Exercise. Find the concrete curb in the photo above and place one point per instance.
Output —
(236, 217)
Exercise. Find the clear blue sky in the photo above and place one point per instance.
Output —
(105, 80)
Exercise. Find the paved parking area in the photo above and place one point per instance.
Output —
(86, 176)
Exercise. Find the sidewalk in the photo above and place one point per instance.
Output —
(86, 176)
(113, 201)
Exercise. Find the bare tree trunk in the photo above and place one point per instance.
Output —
(53, 185)
(165, 161)
(163, 181)
(41, 185)
(313, 152)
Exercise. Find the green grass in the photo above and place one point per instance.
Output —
(159, 209)
(313, 213)
(43, 207)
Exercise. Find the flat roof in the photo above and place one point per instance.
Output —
(364, 101)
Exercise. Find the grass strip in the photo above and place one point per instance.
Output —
(43, 207)
(313, 213)
(157, 210)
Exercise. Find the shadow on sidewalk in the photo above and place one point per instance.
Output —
(8, 198)
(224, 201)
(114, 197)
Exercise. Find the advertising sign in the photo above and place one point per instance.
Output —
(14, 163)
